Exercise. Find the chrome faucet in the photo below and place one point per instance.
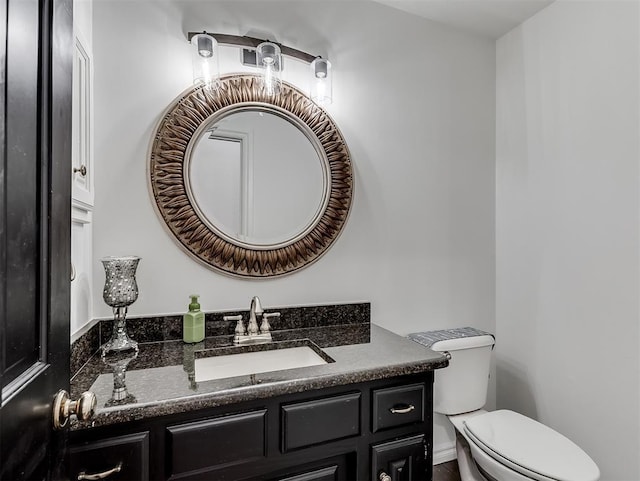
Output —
(253, 334)
(254, 309)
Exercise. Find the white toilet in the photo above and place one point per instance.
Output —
(500, 445)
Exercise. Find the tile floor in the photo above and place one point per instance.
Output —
(446, 471)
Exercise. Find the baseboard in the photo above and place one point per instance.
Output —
(444, 453)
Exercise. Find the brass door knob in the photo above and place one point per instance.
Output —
(384, 476)
(64, 408)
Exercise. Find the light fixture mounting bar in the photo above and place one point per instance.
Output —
(252, 42)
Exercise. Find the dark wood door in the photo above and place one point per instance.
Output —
(35, 192)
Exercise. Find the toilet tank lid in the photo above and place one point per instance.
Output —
(453, 339)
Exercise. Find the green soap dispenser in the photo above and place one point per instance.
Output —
(193, 322)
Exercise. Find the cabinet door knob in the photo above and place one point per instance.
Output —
(384, 476)
(402, 410)
(64, 408)
(82, 170)
(105, 474)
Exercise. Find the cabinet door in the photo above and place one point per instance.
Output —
(81, 131)
(81, 270)
(403, 459)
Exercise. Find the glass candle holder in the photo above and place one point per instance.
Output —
(120, 291)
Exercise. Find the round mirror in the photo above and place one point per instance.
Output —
(250, 184)
(234, 177)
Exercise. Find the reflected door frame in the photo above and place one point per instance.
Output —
(245, 139)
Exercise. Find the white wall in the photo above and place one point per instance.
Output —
(567, 224)
(414, 100)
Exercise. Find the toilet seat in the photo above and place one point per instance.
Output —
(529, 447)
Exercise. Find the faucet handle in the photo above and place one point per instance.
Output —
(239, 326)
(265, 327)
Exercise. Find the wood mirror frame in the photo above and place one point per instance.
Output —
(171, 144)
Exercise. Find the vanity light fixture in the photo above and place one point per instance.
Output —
(263, 54)
(321, 88)
(205, 59)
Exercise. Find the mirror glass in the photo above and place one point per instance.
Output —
(255, 177)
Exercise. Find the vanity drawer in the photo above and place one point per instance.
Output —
(397, 406)
(217, 442)
(320, 420)
(118, 458)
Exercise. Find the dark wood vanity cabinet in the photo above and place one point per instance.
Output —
(345, 433)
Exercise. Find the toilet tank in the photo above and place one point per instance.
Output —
(462, 386)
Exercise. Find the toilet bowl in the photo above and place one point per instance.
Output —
(496, 445)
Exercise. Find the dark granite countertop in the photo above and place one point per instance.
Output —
(160, 379)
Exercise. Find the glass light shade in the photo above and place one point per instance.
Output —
(205, 60)
(269, 60)
(321, 90)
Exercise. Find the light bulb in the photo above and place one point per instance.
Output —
(268, 79)
(268, 58)
(321, 90)
(205, 46)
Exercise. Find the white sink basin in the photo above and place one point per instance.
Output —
(243, 364)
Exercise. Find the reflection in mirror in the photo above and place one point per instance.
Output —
(256, 177)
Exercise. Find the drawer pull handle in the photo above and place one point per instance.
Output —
(403, 410)
(103, 475)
